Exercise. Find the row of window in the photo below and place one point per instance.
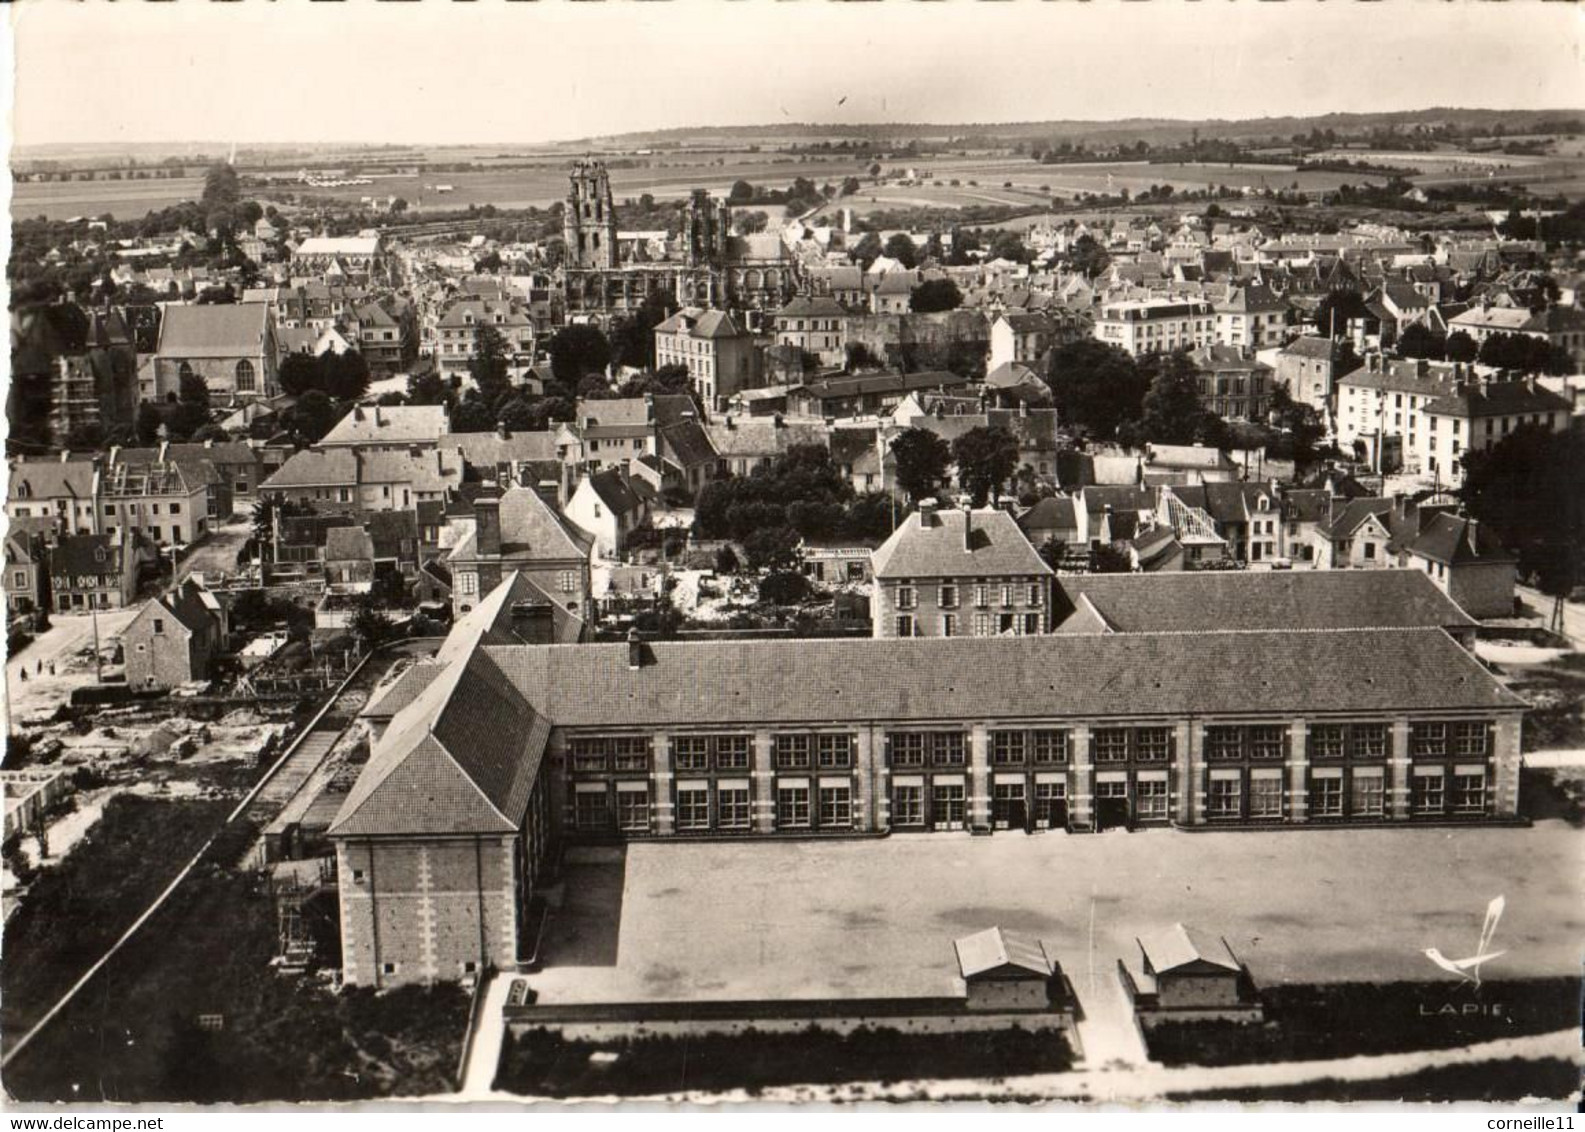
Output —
(981, 594)
(984, 625)
(703, 807)
(1038, 746)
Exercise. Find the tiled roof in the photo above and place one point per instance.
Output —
(614, 492)
(1347, 517)
(957, 678)
(393, 424)
(1447, 539)
(85, 554)
(1402, 376)
(698, 323)
(993, 546)
(1202, 601)
(309, 468)
(749, 439)
(487, 450)
(344, 544)
(217, 330)
(426, 472)
(1499, 399)
(818, 307)
(403, 691)
(1306, 504)
(1051, 513)
(1119, 497)
(51, 479)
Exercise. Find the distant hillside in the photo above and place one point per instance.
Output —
(1156, 131)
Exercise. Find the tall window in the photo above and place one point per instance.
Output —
(1369, 795)
(1151, 744)
(1151, 798)
(907, 748)
(1428, 740)
(792, 807)
(1370, 740)
(836, 806)
(732, 802)
(632, 810)
(693, 807)
(1265, 797)
(1223, 743)
(245, 376)
(589, 810)
(731, 752)
(1469, 739)
(908, 805)
(1049, 747)
(1428, 794)
(1327, 741)
(691, 752)
(631, 753)
(792, 752)
(1469, 793)
(949, 595)
(1007, 748)
(1224, 798)
(948, 749)
(835, 751)
(1265, 742)
(1111, 745)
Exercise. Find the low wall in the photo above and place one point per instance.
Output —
(605, 1021)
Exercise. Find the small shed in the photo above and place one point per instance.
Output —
(1005, 970)
(1182, 969)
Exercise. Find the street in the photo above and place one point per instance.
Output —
(41, 693)
(1573, 613)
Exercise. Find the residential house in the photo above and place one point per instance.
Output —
(518, 531)
(1156, 326)
(1379, 407)
(387, 334)
(951, 573)
(816, 326)
(1477, 413)
(893, 292)
(858, 455)
(1026, 337)
(388, 428)
(1303, 511)
(1233, 384)
(230, 345)
(1061, 520)
(1012, 384)
(741, 445)
(168, 501)
(1467, 562)
(508, 458)
(457, 335)
(174, 639)
(718, 353)
(608, 506)
(62, 488)
(1187, 464)
(1246, 516)
(1251, 318)
(1306, 368)
(26, 572)
(1556, 325)
(92, 572)
(866, 394)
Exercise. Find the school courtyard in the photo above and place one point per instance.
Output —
(877, 918)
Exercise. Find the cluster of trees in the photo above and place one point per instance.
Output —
(340, 376)
(1420, 341)
(800, 494)
(986, 459)
(935, 295)
(802, 195)
(1522, 352)
(1526, 489)
(184, 417)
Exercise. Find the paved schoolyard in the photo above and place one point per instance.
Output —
(877, 918)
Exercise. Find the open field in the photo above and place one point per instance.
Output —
(674, 175)
(852, 919)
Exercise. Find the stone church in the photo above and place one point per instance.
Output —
(704, 266)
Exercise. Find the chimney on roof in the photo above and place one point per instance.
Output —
(487, 525)
(968, 527)
(635, 650)
(549, 491)
(1374, 364)
(163, 452)
(1422, 366)
(927, 512)
(778, 421)
(357, 412)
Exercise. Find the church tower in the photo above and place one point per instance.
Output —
(589, 218)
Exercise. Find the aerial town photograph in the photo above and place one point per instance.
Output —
(794, 554)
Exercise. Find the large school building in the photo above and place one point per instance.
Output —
(499, 751)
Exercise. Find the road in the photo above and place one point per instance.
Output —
(218, 553)
(68, 634)
(489, 1035)
(1573, 613)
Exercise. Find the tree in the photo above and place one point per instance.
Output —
(489, 366)
(867, 250)
(741, 193)
(1419, 341)
(371, 625)
(1173, 412)
(1526, 490)
(726, 560)
(922, 460)
(399, 206)
(312, 417)
(472, 415)
(749, 223)
(1111, 558)
(1096, 387)
(986, 458)
(299, 373)
(903, 250)
(518, 415)
(1009, 246)
(633, 339)
(1300, 424)
(936, 295)
(1087, 257)
(1460, 347)
(578, 350)
(345, 376)
(783, 588)
(774, 548)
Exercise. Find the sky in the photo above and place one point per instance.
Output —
(523, 72)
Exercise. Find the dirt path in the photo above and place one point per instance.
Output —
(68, 634)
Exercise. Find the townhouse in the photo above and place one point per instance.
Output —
(457, 334)
(1477, 413)
(718, 354)
(1251, 318)
(817, 326)
(388, 428)
(63, 489)
(518, 531)
(959, 573)
(1156, 326)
